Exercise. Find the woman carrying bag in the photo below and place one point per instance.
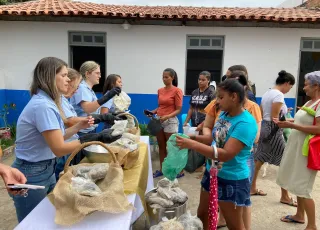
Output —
(294, 174)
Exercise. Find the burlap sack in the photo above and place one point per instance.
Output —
(71, 207)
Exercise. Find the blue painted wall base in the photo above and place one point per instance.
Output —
(139, 102)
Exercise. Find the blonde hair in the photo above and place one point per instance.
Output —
(88, 66)
(44, 78)
(73, 74)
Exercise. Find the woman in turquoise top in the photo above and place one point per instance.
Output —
(234, 135)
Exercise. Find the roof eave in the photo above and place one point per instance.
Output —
(164, 22)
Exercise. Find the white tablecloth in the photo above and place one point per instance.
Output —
(42, 217)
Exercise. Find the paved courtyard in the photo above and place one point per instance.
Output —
(266, 210)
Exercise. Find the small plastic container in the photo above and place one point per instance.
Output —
(190, 130)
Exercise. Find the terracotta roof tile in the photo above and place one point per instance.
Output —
(73, 8)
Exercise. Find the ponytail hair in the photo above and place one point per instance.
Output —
(174, 75)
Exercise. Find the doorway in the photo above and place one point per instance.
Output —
(203, 54)
(88, 47)
(309, 62)
(81, 54)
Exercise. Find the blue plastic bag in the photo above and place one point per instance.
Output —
(176, 160)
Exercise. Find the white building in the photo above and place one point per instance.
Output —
(188, 40)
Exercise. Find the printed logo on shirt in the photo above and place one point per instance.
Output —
(220, 132)
(199, 99)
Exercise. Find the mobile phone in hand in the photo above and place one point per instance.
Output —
(148, 112)
(18, 187)
(282, 118)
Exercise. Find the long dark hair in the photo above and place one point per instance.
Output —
(110, 82)
(233, 86)
(174, 75)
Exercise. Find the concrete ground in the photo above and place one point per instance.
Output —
(266, 211)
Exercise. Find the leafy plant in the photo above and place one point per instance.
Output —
(143, 130)
(13, 130)
(5, 143)
(5, 112)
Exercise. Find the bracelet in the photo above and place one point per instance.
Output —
(215, 151)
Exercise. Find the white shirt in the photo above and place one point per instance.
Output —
(270, 97)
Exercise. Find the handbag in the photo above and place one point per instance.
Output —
(314, 150)
(154, 126)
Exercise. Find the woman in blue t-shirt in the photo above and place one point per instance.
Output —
(234, 135)
(41, 133)
(112, 81)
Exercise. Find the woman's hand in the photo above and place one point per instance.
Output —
(12, 176)
(85, 123)
(283, 124)
(164, 118)
(185, 124)
(183, 143)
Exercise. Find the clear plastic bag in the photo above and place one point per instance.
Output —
(119, 127)
(190, 222)
(121, 102)
(176, 160)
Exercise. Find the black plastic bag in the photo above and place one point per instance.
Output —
(195, 160)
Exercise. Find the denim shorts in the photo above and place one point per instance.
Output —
(205, 182)
(37, 173)
(235, 191)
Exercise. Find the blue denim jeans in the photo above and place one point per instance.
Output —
(37, 173)
(251, 165)
(61, 161)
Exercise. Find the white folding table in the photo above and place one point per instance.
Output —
(42, 216)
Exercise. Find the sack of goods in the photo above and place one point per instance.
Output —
(126, 150)
(168, 195)
(86, 188)
(184, 222)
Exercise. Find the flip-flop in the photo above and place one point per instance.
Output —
(258, 193)
(292, 203)
(221, 226)
(180, 175)
(157, 173)
(288, 219)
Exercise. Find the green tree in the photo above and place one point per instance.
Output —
(7, 2)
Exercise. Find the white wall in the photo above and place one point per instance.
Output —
(291, 3)
(140, 54)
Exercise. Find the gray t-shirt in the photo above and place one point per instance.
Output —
(270, 97)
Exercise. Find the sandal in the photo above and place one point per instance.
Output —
(258, 193)
(288, 219)
(180, 175)
(292, 203)
(157, 173)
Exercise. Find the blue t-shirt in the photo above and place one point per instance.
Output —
(68, 111)
(84, 93)
(242, 127)
(40, 114)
